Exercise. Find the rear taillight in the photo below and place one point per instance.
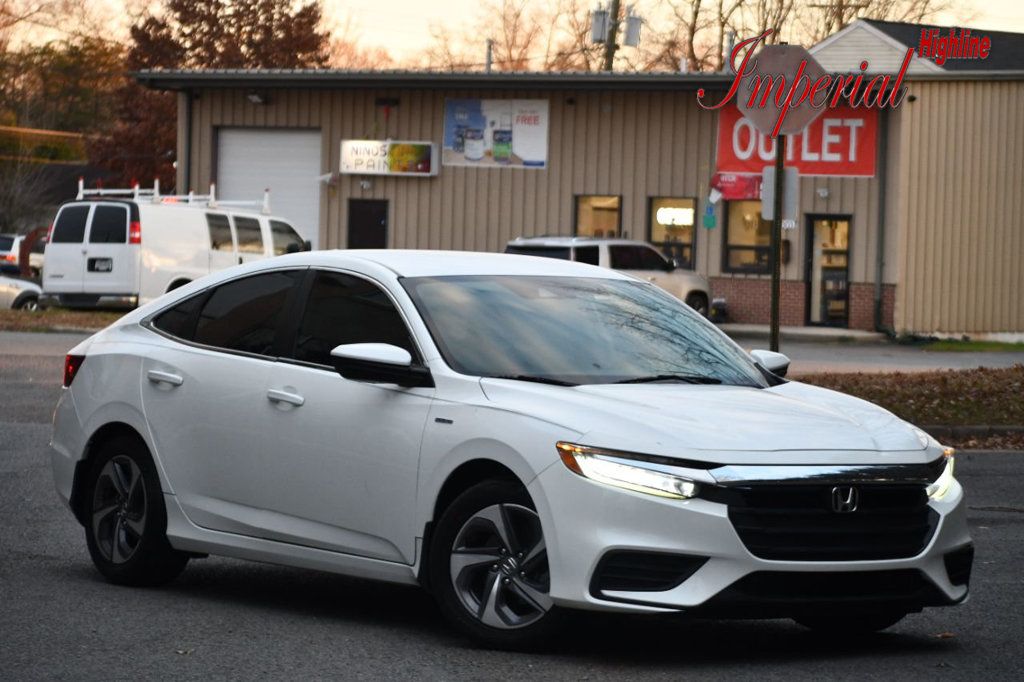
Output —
(10, 257)
(135, 232)
(72, 364)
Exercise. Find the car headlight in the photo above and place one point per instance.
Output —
(941, 485)
(624, 470)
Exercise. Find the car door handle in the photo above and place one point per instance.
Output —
(158, 377)
(276, 396)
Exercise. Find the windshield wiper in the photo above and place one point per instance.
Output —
(539, 380)
(684, 378)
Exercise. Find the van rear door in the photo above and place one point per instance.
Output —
(111, 261)
(64, 258)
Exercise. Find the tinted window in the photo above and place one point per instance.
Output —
(343, 309)
(109, 225)
(70, 225)
(284, 236)
(6, 243)
(179, 321)
(636, 258)
(220, 232)
(245, 314)
(588, 254)
(250, 238)
(560, 252)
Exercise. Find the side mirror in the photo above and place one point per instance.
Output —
(674, 264)
(776, 363)
(307, 245)
(379, 363)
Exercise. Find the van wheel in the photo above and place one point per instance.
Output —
(177, 284)
(698, 302)
(489, 568)
(126, 524)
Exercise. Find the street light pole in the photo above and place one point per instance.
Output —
(776, 241)
(613, 31)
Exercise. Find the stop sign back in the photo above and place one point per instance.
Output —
(776, 95)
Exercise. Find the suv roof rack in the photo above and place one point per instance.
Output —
(191, 199)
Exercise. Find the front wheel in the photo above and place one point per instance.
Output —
(127, 520)
(698, 302)
(30, 303)
(849, 622)
(489, 568)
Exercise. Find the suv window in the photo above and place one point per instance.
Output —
(284, 236)
(345, 309)
(70, 225)
(109, 225)
(6, 243)
(560, 252)
(250, 237)
(220, 232)
(588, 254)
(245, 314)
(629, 257)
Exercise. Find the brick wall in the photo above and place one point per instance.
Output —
(747, 299)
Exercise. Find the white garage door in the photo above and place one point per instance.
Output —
(286, 161)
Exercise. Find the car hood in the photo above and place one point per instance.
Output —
(724, 423)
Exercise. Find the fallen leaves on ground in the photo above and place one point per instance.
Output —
(56, 319)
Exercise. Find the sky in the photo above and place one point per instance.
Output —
(402, 27)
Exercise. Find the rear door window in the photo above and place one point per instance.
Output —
(6, 243)
(284, 237)
(180, 321)
(629, 257)
(109, 225)
(344, 309)
(588, 254)
(246, 314)
(220, 232)
(250, 237)
(69, 227)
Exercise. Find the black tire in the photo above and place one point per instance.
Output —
(849, 622)
(28, 302)
(529, 625)
(698, 302)
(126, 520)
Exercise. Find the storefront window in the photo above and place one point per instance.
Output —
(747, 238)
(670, 226)
(598, 216)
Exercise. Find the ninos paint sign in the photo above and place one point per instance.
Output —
(496, 133)
(840, 142)
(387, 157)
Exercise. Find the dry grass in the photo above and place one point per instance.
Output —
(56, 319)
(951, 397)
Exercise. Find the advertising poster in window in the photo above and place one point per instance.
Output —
(496, 133)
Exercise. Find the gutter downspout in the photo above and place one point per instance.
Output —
(883, 137)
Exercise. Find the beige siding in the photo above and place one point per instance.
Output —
(959, 208)
(844, 52)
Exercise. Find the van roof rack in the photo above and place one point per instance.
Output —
(191, 199)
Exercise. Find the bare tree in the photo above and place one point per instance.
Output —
(24, 184)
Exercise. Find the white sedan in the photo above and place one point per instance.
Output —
(519, 435)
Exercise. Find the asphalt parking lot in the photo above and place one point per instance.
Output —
(224, 618)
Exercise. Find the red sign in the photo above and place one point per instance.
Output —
(737, 186)
(842, 141)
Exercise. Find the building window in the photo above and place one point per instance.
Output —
(670, 227)
(747, 238)
(598, 216)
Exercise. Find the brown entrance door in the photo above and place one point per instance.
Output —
(367, 224)
(828, 270)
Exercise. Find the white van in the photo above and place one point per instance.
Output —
(122, 248)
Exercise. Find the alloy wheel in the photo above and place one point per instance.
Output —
(499, 567)
(119, 509)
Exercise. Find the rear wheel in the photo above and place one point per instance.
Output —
(489, 568)
(849, 622)
(30, 302)
(698, 302)
(127, 521)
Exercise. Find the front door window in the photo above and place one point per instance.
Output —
(828, 270)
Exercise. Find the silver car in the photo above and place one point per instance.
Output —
(633, 257)
(19, 293)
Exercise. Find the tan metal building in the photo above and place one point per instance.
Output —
(920, 230)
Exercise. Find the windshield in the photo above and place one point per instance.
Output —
(574, 330)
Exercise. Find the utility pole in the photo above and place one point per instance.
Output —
(613, 34)
(490, 54)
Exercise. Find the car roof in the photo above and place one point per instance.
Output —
(574, 241)
(416, 263)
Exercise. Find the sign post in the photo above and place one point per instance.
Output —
(779, 116)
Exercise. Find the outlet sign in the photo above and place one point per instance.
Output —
(388, 157)
(840, 142)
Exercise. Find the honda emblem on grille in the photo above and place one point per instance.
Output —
(844, 499)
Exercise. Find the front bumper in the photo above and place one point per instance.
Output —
(584, 520)
(113, 301)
